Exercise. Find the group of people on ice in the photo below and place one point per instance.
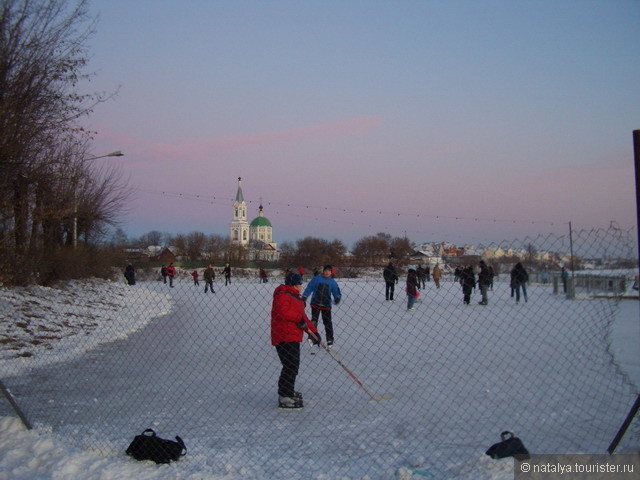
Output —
(209, 275)
(465, 275)
(416, 280)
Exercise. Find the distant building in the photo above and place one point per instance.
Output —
(260, 229)
(256, 236)
(239, 230)
(165, 256)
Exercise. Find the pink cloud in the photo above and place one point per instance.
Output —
(199, 147)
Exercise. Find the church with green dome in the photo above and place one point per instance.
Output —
(256, 236)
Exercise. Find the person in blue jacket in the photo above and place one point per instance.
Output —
(322, 288)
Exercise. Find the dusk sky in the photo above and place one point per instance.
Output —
(442, 120)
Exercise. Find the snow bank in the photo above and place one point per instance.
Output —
(44, 325)
(42, 455)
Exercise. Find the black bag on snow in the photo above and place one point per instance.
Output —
(510, 446)
(150, 447)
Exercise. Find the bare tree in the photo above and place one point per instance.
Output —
(287, 254)
(196, 242)
(180, 244)
(214, 248)
(313, 252)
(372, 250)
(119, 239)
(401, 248)
(102, 197)
(42, 55)
(152, 238)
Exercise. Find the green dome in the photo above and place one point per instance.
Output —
(261, 222)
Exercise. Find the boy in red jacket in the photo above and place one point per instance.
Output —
(288, 322)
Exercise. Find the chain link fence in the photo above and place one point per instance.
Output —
(99, 362)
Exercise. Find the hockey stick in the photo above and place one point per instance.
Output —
(377, 398)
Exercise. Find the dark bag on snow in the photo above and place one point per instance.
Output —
(510, 446)
(150, 447)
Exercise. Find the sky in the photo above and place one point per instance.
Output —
(463, 121)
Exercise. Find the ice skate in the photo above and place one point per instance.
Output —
(290, 403)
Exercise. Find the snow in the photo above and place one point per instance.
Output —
(76, 319)
(341, 435)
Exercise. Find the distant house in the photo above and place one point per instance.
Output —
(165, 256)
(418, 256)
(426, 257)
(135, 255)
(452, 251)
(494, 253)
(153, 250)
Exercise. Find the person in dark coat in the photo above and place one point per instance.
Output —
(457, 274)
(422, 277)
(519, 279)
(163, 272)
(130, 275)
(484, 280)
(468, 281)
(288, 322)
(412, 288)
(390, 276)
(209, 276)
(227, 274)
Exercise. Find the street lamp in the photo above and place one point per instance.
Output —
(74, 235)
(117, 153)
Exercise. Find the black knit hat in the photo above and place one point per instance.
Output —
(293, 279)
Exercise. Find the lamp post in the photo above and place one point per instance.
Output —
(74, 233)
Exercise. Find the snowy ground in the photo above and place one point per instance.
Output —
(341, 434)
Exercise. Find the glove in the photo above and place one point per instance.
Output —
(302, 324)
(337, 301)
(317, 340)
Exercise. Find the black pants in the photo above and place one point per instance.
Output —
(389, 289)
(289, 354)
(326, 319)
(209, 284)
(466, 290)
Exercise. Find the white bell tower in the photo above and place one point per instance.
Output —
(239, 231)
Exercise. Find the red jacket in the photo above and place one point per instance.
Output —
(287, 310)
